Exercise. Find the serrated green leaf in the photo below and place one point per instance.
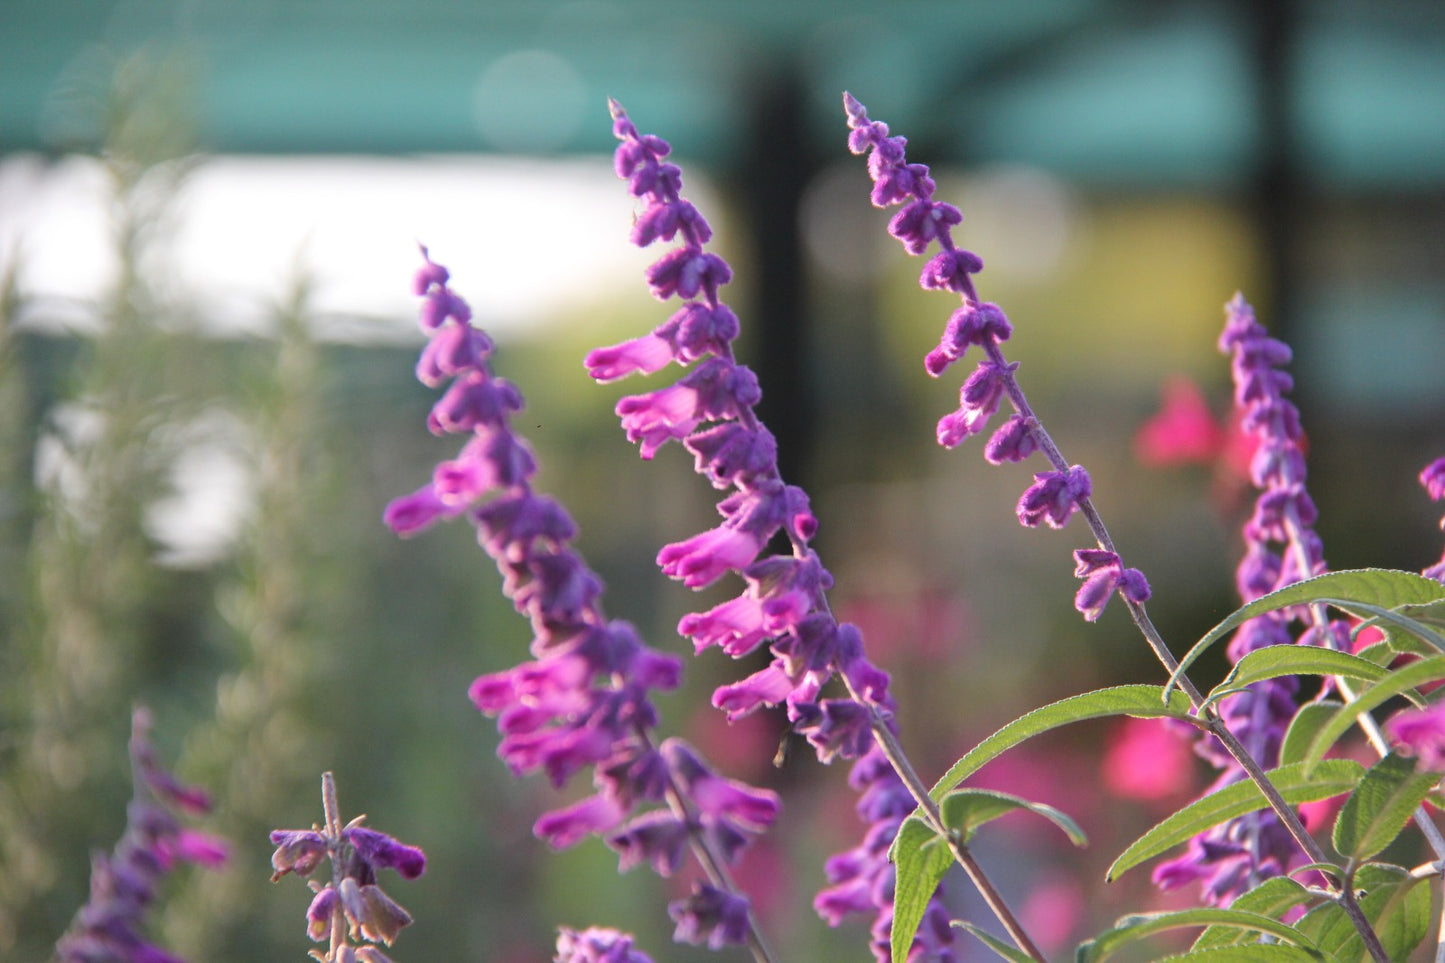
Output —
(1130, 929)
(1278, 660)
(1397, 682)
(1367, 592)
(1380, 806)
(1139, 701)
(1013, 954)
(1396, 907)
(967, 809)
(1307, 721)
(1331, 778)
(920, 859)
(1273, 898)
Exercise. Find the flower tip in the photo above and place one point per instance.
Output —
(615, 109)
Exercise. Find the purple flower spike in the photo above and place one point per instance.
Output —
(783, 606)
(585, 700)
(1280, 548)
(1053, 497)
(125, 883)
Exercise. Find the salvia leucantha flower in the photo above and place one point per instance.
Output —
(920, 222)
(1281, 547)
(351, 905)
(710, 411)
(596, 944)
(110, 927)
(585, 700)
(1432, 477)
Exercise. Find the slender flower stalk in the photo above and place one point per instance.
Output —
(1059, 493)
(783, 605)
(352, 905)
(585, 701)
(123, 885)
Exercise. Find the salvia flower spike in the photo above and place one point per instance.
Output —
(585, 701)
(710, 411)
(350, 913)
(920, 223)
(123, 884)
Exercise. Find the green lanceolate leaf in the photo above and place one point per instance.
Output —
(1366, 592)
(1140, 701)
(1248, 953)
(1397, 908)
(965, 810)
(1278, 660)
(1133, 928)
(1306, 723)
(1398, 639)
(920, 857)
(1273, 898)
(994, 943)
(1330, 778)
(1380, 806)
(1397, 682)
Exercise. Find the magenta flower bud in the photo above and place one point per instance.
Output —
(203, 848)
(1421, 733)
(705, 557)
(383, 851)
(710, 916)
(1432, 476)
(450, 351)
(920, 222)
(1014, 441)
(657, 838)
(686, 272)
(1053, 497)
(597, 945)
(570, 825)
(320, 913)
(474, 399)
(729, 454)
(971, 324)
(642, 355)
(949, 270)
(298, 851)
(1103, 575)
(766, 687)
(664, 219)
(429, 275)
(410, 514)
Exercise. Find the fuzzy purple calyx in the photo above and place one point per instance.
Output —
(710, 916)
(1054, 497)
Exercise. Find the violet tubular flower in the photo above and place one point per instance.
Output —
(921, 222)
(585, 700)
(110, 927)
(351, 905)
(710, 411)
